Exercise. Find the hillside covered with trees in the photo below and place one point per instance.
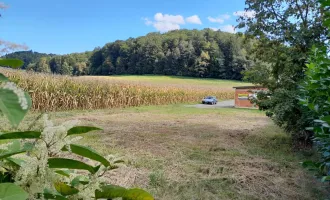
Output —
(196, 53)
(28, 57)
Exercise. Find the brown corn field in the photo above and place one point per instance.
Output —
(58, 93)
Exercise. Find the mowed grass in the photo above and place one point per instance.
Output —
(175, 81)
(182, 153)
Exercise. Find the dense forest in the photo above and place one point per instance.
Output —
(197, 53)
(28, 57)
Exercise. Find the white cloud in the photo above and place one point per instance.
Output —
(174, 19)
(221, 19)
(225, 28)
(228, 28)
(194, 19)
(165, 22)
(166, 26)
(147, 21)
(247, 14)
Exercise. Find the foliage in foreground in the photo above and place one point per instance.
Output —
(49, 92)
(38, 164)
(316, 97)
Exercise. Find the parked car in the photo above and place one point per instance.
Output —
(210, 100)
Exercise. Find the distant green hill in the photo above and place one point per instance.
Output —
(28, 56)
(191, 53)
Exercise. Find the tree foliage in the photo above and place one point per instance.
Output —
(194, 53)
(285, 33)
(204, 53)
(315, 97)
(28, 57)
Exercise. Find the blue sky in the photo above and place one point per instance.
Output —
(66, 26)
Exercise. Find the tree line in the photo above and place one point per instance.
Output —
(196, 53)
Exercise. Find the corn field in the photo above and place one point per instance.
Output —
(58, 93)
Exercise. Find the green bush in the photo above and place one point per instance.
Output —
(283, 107)
(316, 97)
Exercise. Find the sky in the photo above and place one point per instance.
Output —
(68, 26)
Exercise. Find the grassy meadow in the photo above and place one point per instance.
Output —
(183, 153)
(173, 151)
(175, 81)
(58, 93)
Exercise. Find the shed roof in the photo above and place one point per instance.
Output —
(248, 87)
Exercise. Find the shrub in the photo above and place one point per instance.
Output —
(316, 97)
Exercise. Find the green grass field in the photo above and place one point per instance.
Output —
(175, 81)
(178, 152)
(184, 153)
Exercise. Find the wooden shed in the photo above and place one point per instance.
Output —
(243, 94)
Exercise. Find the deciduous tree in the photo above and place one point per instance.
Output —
(285, 32)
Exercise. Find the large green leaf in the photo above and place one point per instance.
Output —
(88, 153)
(14, 63)
(15, 161)
(326, 119)
(79, 180)
(11, 108)
(310, 164)
(112, 191)
(63, 172)
(10, 191)
(325, 178)
(3, 78)
(10, 153)
(65, 189)
(13, 149)
(48, 194)
(82, 129)
(15, 145)
(66, 163)
(20, 135)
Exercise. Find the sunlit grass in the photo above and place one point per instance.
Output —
(187, 83)
(182, 153)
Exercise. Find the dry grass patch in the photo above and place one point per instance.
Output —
(180, 153)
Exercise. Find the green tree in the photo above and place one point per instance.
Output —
(42, 66)
(31, 67)
(203, 63)
(173, 53)
(55, 64)
(79, 69)
(285, 32)
(66, 69)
